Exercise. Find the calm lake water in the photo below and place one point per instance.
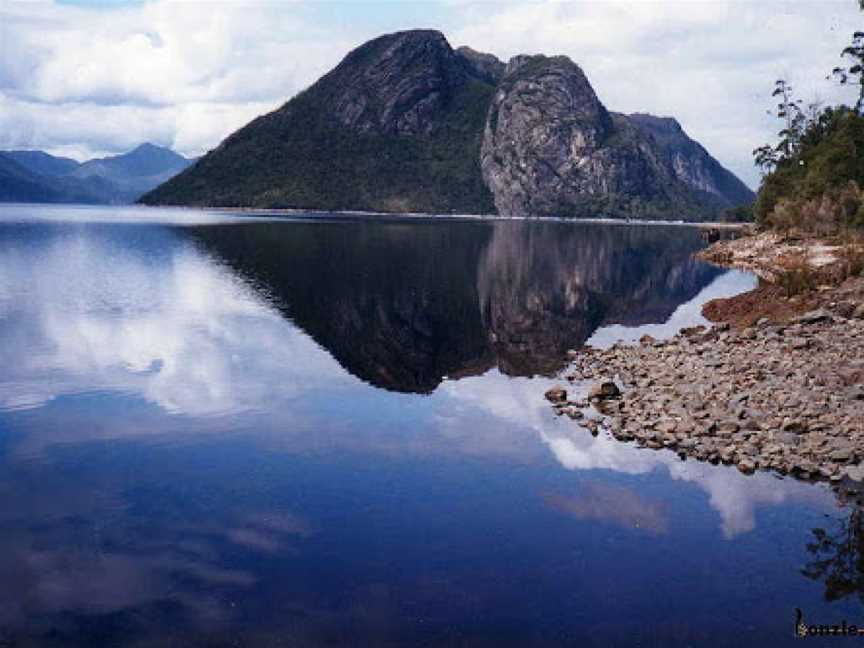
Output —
(230, 431)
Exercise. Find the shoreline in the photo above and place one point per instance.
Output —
(294, 212)
(254, 212)
(777, 383)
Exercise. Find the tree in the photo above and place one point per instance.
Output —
(854, 74)
(795, 124)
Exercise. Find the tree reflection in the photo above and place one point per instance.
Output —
(838, 558)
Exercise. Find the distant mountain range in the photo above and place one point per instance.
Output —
(36, 176)
(405, 123)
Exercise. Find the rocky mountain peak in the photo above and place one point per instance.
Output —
(396, 84)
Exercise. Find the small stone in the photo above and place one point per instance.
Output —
(858, 313)
(748, 333)
(787, 438)
(666, 425)
(746, 466)
(738, 400)
(604, 389)
(845, 309)
(556, 395)
(727, 428)
(814, 317)
(843, 454)
(575, 414)
(793, 425)
(855, 473)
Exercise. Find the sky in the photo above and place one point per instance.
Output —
(87, 78)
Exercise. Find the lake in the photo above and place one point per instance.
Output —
(224, 430)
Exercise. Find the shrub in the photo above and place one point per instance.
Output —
(829, 214)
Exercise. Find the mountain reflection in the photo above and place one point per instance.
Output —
(404, 305)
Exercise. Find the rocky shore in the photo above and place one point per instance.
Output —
(778, 389)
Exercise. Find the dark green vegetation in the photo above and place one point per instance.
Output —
(305, 155)
(36, 176)
(312, 163)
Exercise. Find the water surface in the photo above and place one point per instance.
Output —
(221, 430)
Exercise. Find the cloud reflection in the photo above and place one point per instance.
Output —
(734, 496)
(615, 504)
(147, 315)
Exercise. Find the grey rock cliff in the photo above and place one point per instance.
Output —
(551, 148)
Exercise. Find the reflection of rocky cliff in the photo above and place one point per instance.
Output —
(546, 289)
(401, 305)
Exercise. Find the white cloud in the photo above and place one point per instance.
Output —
(85, 80)
(193, 338)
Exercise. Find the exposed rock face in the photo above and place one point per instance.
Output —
(551, 148)
(397, 84)
(406, 123)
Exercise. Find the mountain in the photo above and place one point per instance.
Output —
(42, 163)
(405, 123)
(19, 184)
(395, 127)
(692, 163)
(136, 172)
(36, 176)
